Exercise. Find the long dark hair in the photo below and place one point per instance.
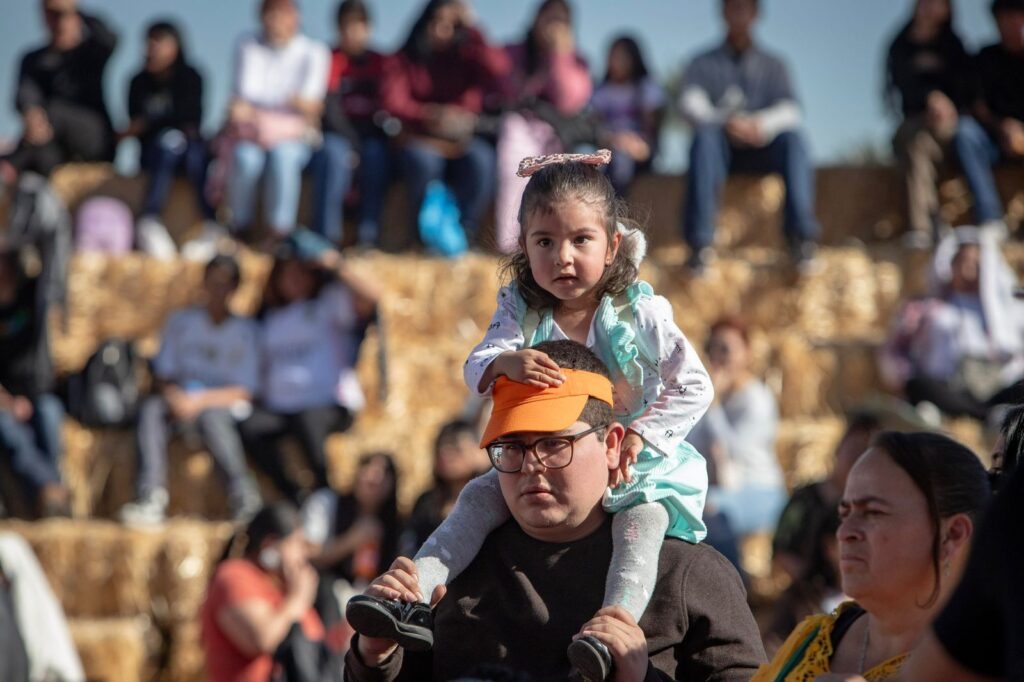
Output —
(416, 46)
(278, 520)
(387, 514)
(632, 48)
(1013, 447)
(272, 297)
(532, 41)
(165, 28)
(946, 37)
(571, 182)
(950, 477)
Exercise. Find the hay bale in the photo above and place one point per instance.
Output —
(116, 649)
(805, 448)
(182, 568)
(186, 660)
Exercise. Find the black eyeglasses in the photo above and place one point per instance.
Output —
(553, 452)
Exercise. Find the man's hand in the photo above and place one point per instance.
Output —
(941, 114)
(633, 144)
(745, 130)
(37, 126)
(184, 407)
(616, 629)
(1011, 132)
(300, 583)
(632, 444)
(399, 583)
(531, 367)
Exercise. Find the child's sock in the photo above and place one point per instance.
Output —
(637, 536)
(449, 550)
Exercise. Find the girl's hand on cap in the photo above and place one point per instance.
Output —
(530, 367)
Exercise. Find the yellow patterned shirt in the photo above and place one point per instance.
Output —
(807, 653)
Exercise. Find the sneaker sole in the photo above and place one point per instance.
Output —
(372, 620)
(588, 662)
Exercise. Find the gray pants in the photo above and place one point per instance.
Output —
(921, 153)
(218, 431)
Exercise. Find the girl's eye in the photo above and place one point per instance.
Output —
(544, 243)
(583, 239)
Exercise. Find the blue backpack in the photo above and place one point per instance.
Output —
(440, 229)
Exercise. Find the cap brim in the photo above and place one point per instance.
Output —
(550, 415)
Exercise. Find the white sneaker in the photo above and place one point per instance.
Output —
(207, 244)
(151, 510)
(998, 229)
(151, 237)
(930, 414)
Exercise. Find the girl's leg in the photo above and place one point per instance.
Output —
(450, 549)
(637, 536)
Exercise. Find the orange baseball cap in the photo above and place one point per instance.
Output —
(520, 407)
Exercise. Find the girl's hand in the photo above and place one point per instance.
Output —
(530, 367)
(632, 444)
(616, 629)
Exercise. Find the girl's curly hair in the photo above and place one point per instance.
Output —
(576, 181)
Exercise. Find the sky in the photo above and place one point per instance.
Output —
(835, 48)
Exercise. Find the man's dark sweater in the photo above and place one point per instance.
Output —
(521, 600)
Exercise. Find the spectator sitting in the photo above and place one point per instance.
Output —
(743, 109)
(355, 536)
(352, 126)
(962, 348)
(30, 414)
(555, 552)
(165, 108)
(794, 546)
(277, 96)
(434, 85)
(996, 132)
(547, 88)
(60, 94)
(262, 588)
(928, 84)
(816, 590)
(629, 104)
(208, 371)
(908, 515)
(738, 435)
(315, 311)
(458, 459)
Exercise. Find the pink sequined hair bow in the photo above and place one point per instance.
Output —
(532, 164)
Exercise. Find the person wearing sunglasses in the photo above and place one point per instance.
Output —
(539, 578)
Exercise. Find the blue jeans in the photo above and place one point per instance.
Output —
(331, 166)
(160, 159)
(281, 169)
(34, 446)
(978, 152)
(712, 158)
(471, 177)
(749, 508)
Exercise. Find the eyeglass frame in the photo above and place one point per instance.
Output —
(531, 448)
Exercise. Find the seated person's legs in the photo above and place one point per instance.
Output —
(374, 177)
(219, 432)
(151, 484)
(473, 176)
(246, 170)
(420, 165)
(709, 167)
(977, 153)
(283, 184)
(29, 463)
(331, 167)
(261, 433)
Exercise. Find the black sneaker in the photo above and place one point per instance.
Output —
(590, 659)
(699, 260)
(411, 625)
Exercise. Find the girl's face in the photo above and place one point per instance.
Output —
(295, 282)
(727, 350)
(885, 537)
(568, 249)
(373, 483)
(441, 29)
(620, 64)
(460, 458)
(932, 12)
(161, 51)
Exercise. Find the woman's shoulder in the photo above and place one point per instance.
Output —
(808, 649)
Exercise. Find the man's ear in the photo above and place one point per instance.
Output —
(613, 436)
